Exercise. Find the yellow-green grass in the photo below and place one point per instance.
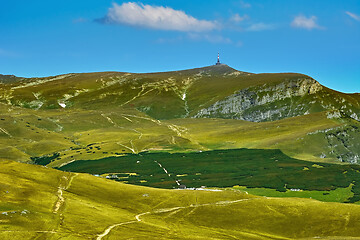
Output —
(121, 112)
(33, 133)
(157, 94)
(337, 195)
(291, 135)
(89, 205)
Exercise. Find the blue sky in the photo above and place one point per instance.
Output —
(318, 38)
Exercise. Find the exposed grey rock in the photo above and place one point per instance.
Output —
(333, 114)
(256, 103)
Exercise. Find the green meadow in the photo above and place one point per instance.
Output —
(253, 168)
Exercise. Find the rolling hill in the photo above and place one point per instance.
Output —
(259, 153)
(177, 111)
(43, 203)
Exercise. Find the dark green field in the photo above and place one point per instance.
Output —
(255, 168)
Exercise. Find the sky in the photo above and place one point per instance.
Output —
(319, 38)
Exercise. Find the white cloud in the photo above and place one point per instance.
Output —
(260, 27)
(305, 22)
(237, 18)
(156, 17)
(353, 15)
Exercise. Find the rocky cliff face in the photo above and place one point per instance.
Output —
(344, 144)
(264, 103)
(273, 102)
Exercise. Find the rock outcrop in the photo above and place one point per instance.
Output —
(264, 103)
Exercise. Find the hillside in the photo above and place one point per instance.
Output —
(259, 153)
(214, 91)
(190, 110)
(42, 203)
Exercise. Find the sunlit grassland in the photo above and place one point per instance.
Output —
(337, 195)
(137, 129)
(126, 112)
(31, 133)
(92, 204)
(299, 137)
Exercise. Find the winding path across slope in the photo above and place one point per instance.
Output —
(163, 210)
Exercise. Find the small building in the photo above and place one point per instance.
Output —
(182, 186)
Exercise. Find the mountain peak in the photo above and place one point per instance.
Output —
(218, 69)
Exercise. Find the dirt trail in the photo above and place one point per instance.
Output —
(107, 231)
(132, 148)
(178, 130)
(127, 147)
(6, 132)
(164, 210)
(158, 122)
(65, 183)
(166, 171)
(140, 94)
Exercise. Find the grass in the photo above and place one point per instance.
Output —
(92, 204)
(115, 116)
(299, 137)
(159, 95)
(337, 195)
(117, 131)
(253, 168)
(114, 109)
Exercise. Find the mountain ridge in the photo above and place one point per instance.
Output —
(212, 92)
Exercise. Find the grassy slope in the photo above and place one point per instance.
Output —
(300, 137)
(92, 134)
(99, 105)
(102, 119)
(337, 195)
(157, 94)
(89, 205)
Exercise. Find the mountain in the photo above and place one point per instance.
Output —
(156, 111)
(256, 152)
(216, 91)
